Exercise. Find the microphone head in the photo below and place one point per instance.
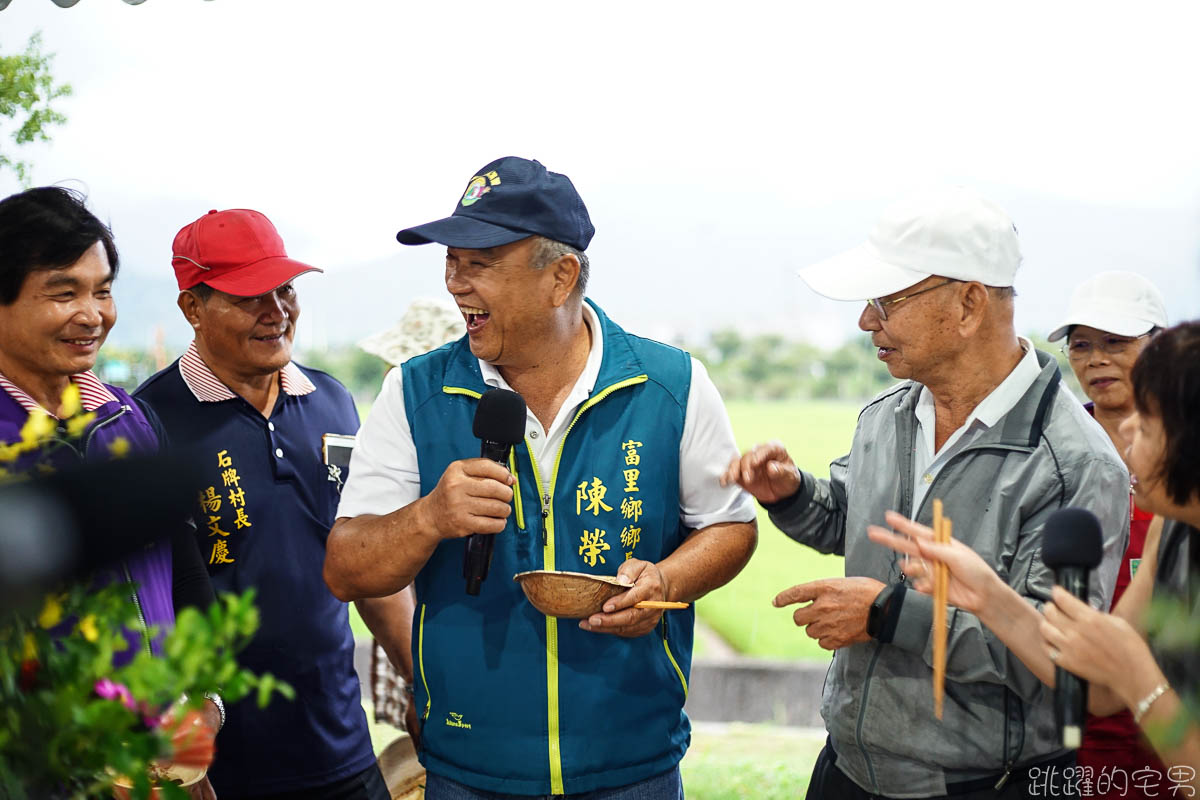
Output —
(1072, 538)
(500, 417)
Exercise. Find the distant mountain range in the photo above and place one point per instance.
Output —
(686, 282)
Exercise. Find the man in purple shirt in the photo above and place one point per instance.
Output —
(57, 266)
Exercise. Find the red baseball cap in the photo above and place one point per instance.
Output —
(238, 252)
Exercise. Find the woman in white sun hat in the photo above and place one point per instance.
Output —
(1110, 318)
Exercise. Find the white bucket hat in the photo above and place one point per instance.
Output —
(1117, 302)
(425, 325)
(953, 232)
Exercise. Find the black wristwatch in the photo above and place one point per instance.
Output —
(878, 612)
(885, 612)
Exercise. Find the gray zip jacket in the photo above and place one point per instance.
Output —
(1045, 454)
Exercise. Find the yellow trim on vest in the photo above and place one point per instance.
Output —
(552, 733)
(421, 662)
(459, 390)
(512, 467)
(678, 671)
(556, 776)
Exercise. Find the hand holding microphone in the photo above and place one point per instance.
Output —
(1072, 546)
(499, 424)
(473, 498)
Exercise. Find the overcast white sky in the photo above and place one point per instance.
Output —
(718, 147)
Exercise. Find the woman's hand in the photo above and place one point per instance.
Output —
(973, 583)
(1101, 648)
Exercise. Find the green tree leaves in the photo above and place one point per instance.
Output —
(27, 90)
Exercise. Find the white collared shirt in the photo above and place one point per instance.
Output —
(927, 463)
(206, 387)
(384, 474)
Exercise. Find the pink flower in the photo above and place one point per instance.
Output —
(110, 690)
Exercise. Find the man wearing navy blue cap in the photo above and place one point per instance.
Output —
(615, 476)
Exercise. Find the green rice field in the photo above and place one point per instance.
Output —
(815, 433)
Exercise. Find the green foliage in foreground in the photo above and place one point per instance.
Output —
(63, 735)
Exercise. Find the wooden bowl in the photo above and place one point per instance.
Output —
(177, 773)
(573, 595)
(402, 772)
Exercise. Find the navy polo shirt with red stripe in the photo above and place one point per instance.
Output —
(264, 511)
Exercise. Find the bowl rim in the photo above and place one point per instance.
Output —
(611, 580)
(127, 783)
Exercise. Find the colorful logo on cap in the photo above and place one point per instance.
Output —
(479, 186)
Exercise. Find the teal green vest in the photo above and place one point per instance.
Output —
(517, 702)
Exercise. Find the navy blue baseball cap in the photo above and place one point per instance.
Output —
(508, 200)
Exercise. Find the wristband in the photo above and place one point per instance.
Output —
(1144, 704)
(220, 704)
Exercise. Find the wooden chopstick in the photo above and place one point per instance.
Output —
(941, 588)
(659, 604)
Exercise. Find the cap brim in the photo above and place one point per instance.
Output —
(260, 277)
(1118, 324)
(858, 274)
(465, 232)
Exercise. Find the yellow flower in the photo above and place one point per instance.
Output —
(76, 424)
(9, 452)
(38, 428)
(87, 626)
(30, 651)
(51, 612)
(119, 447)
(72, 402)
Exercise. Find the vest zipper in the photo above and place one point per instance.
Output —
(133, 595)
(87, 442)
(137, 604)
(556, 776)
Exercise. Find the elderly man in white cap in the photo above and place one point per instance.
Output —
(981, 422)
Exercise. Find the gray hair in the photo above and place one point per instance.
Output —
(546, 251)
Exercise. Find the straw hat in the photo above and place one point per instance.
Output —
(425, 325)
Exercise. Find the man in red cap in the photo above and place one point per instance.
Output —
(268, 432)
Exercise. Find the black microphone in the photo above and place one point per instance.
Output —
(71, 522)
(1072, 546)
(499, 424)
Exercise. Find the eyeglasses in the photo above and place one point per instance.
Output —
(881, 305)
(1081, 349)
